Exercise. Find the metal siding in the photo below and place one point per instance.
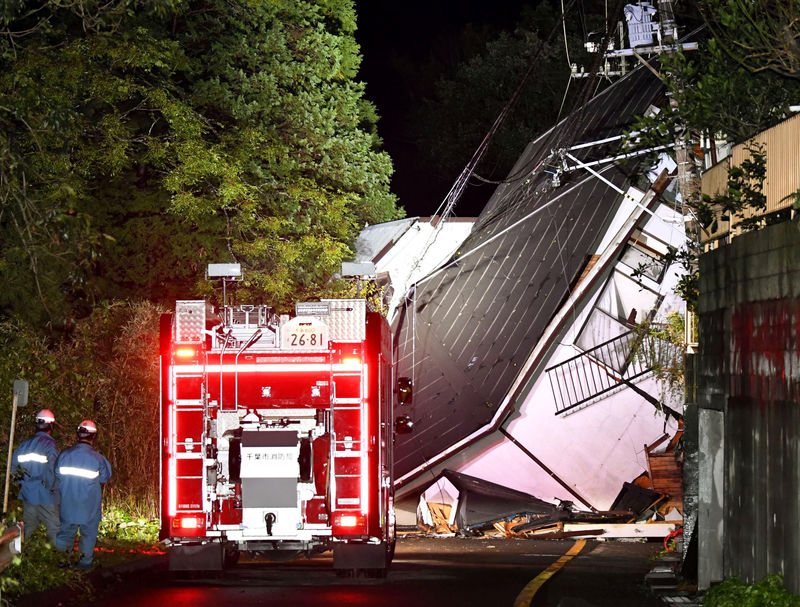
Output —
(782, 146)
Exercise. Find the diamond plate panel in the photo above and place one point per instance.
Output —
(190, 321)
(347, 319)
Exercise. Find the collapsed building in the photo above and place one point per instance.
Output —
(528, 346)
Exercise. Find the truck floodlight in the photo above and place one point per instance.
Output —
(361, 269)
(184, 352)
(224, 271)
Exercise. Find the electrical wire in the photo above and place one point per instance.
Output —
(559, 134)
(564, 26)
(457, 189)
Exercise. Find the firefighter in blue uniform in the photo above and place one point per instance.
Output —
(36, 458)
(81, 471)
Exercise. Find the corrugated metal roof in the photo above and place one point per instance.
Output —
(469, 328)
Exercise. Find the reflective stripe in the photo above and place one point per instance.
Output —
(82, 472)
(32, 457)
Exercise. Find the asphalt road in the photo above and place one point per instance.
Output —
(427, 571)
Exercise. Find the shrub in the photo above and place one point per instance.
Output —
(106, 370)
(769, 592)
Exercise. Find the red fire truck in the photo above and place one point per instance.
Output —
(276, 434)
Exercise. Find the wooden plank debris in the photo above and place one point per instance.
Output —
(655, 529)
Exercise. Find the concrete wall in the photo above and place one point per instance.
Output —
(749, 399)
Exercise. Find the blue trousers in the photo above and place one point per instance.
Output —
(33, 515)
(88, 538)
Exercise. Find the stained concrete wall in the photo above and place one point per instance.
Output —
(749, 399)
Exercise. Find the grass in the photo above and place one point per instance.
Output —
(124, 535)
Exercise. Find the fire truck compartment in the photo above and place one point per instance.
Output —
(269, 472)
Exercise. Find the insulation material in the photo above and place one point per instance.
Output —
(438, 505)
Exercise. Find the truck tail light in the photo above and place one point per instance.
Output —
(349, 523)
(189, 522)
(185, 352)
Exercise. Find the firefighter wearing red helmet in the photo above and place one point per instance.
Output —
(35, 459)
(81, 471)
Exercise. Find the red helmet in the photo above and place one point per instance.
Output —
(45, 416)
(45, 420)
(87, 428)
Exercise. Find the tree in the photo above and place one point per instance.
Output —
(718, 95)
(760, 35)
(302, 173)
(454, 120)
(76, 86)
(139, 142)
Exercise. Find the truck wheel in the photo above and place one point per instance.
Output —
(230, 557)
(390, 546)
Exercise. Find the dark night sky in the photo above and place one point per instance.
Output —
(388, 30)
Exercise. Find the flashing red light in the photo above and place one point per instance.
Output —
(184, 352)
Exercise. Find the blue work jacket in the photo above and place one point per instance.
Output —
(80, 471)
(36, 457)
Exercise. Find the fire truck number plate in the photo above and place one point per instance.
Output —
(304, 334)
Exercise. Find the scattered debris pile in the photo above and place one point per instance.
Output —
(665, 470)
(465, 505)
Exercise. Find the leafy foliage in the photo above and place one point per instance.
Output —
(39, 567)
(453, 121)
(745, 193)
(106, 372)
(715, 95)
(769, 592)
(121, 524)
(760, 35)
(661, 346)
(122, 536)
(718, 97)
(140, 141)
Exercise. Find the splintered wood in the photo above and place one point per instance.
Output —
(548, 529)
(440, 513)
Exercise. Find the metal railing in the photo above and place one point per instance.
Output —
(612, 364)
